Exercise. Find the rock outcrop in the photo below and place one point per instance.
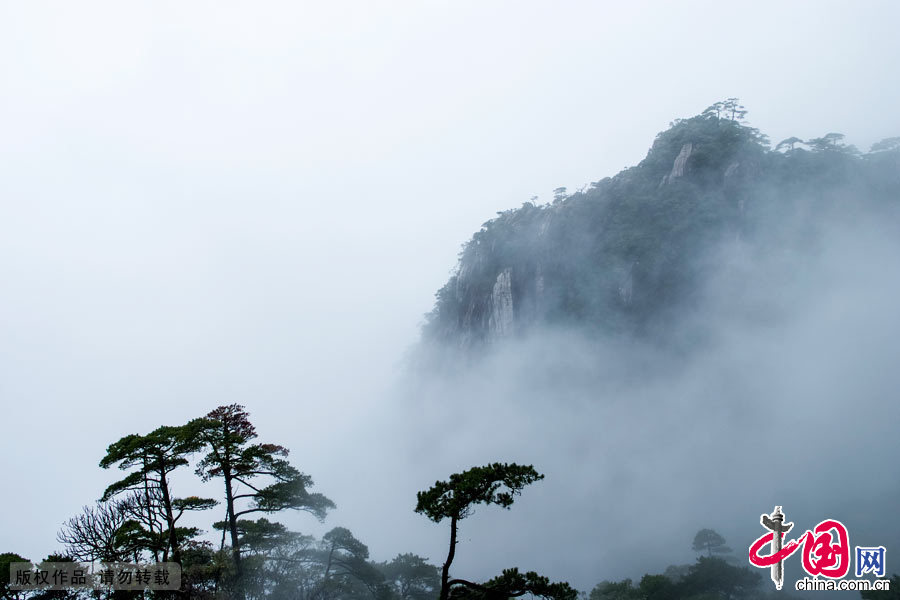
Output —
(500, 323)
(678, 167)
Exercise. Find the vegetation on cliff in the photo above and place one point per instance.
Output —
(628, 253)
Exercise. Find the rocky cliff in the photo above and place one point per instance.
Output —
(626, 254)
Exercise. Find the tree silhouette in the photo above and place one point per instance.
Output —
(709, 541)
(155, 456)
(227, 432)
(789, 142)
(455, 499)
(886, 145)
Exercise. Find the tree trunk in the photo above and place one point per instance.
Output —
(445, 571)
(155, 551)
(170, 516)
(235, 543)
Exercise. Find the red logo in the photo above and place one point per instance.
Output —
(821, 556)
(826, 548)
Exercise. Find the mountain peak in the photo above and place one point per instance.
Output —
(630, 252)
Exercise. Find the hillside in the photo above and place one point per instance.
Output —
(629, 254)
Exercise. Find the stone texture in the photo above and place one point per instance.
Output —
(500, 323)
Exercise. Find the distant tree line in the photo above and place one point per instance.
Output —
(137, 519)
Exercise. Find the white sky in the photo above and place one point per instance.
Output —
(213, 202)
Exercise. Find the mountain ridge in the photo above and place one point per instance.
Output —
(629, 252)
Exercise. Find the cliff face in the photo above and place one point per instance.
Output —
(624, 255)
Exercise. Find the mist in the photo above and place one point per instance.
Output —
(783, 394)
(207, 204)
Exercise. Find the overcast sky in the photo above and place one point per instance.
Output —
(213, 202)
